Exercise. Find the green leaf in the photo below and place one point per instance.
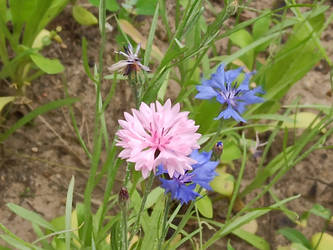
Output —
(242, 38)
(30, 216)
(300, 120)
(151, 37)
(295, 236)
(231, 152)
(322, 241)
(223, 183)
(145, 7)
(36, 112)
(49, 66)
(111, 5)
(153, 197)
(204, 115)
(5, 100)
(205, 206)
(229, 246)
(13, 242)
(83, 16)
(295, 58)
(321, 211)
(239, 221)
(260, 28)
(255, 240)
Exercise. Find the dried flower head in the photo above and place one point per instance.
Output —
(132, 62)
(158, 134)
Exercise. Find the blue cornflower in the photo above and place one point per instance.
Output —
(225, 89)
(182, 187)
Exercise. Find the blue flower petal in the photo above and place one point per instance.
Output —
(245, 83)
(220, 99)
(231, 75)
(204, 174)
(249, 97)
(201, 158)
(228, 113)
(183, 193)
(205, 92)
(218, 78)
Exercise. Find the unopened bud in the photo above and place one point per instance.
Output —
(232, 8)
(123, 195)
(218, 150)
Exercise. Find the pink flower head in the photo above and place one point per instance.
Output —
(158, 134)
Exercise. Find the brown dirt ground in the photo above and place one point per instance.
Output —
(37, 162)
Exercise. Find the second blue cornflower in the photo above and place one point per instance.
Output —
(225, 89)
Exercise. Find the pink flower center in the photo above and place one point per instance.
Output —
(159, 139)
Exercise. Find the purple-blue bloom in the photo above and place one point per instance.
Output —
(225, 89)
(182, 187)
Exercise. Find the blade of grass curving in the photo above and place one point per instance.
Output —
(111, 92)
(36, 112)
(75, 126)
(315, 35)
(182, 223)
(85, 59)
(294, 156)
(255, 240)
(15, 241)
(238, 181)
(30, 216)
(39, 233)
(151, 36)
(164, 15)
(238, 222)
(68, 213)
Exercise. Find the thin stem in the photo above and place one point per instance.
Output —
(200, 227)
(124, 226)
(143, 203)
(211, 143)
(133, 83)
(128, 174)
(164, 225)
(239, 179)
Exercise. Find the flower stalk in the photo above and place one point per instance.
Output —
(143, 203)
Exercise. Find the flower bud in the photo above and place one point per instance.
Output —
(232, 8)
(218, 150)
(123, 195)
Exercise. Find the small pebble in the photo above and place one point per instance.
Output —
(34, 149)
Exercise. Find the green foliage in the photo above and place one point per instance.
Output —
(83, 16)
(21, 60)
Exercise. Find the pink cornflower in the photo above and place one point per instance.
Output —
(158, 134)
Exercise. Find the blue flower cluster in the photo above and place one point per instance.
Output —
(182, 187)
(225, 89)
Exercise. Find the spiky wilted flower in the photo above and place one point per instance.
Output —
(131, 63)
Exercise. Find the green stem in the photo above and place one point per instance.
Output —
(143, 203)
(124, 226)
(128, 174)
(211, 143)
(164, 225)
(97, 127)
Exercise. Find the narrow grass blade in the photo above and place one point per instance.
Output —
(68, 213)
(30, 216)
(36, 112)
